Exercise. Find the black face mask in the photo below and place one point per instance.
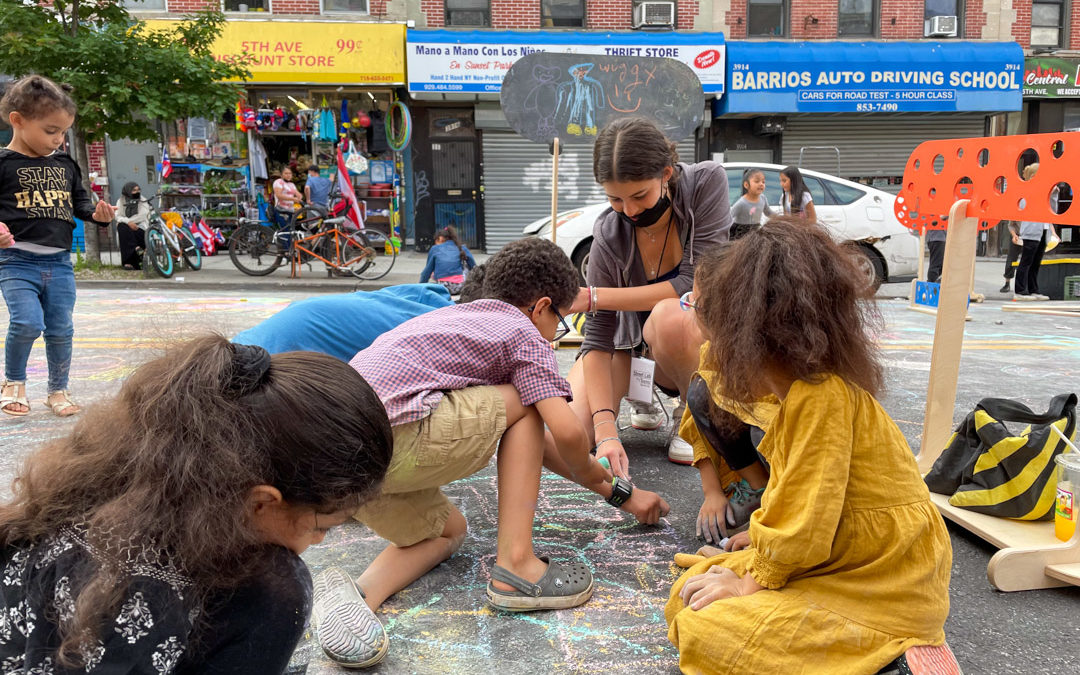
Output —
(650, 215)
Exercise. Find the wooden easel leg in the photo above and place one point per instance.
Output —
(554, 186)
(948, 334)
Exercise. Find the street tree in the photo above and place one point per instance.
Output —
(125, 76)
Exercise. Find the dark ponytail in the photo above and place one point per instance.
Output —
(450, 233)
(632, 149)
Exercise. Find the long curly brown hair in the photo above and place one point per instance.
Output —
(172, 458)
(787, 296)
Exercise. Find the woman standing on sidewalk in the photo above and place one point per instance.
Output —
(663, 215)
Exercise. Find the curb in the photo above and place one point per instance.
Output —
(344, 286)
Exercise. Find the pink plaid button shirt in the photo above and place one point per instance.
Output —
(485, 342)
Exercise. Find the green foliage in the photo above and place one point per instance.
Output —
(125, 75)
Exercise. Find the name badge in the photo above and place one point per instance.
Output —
(641, 379)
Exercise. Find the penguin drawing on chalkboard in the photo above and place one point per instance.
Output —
(579, 99)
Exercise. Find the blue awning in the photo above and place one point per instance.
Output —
(810, 77)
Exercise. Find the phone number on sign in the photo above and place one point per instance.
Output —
(877, 107)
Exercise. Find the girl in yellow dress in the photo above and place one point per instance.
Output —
(846, 564)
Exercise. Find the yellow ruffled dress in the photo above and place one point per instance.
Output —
(854, 557)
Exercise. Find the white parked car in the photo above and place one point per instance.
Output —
(852, 213)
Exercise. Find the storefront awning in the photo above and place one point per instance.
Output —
(313, 52)
(823, 77)
(442, 61)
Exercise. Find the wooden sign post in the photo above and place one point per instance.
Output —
(557, 99)
(963, 186)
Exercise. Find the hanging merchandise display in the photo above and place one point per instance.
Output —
(399, 126)
(354, 161)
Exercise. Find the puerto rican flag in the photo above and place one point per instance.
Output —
(165, 167)
(345, 185)
(207, 240)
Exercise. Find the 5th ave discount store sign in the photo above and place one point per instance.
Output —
(315, 52)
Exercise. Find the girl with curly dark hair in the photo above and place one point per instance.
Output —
(846, 533)
(163, 534)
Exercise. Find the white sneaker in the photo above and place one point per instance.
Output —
(1023, 297)
(679, 451)
(346, 628)
(646, 416)
(1040, 296)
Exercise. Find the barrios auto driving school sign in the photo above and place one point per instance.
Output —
(1046, 77)
(476, 61)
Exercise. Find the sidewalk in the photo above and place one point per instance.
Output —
(219, 275)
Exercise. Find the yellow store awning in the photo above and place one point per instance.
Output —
(317, 52)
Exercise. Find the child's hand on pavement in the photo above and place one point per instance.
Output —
(710, 520)
(6, 240)
(738, 542)
(616, 456)
(647, 507)
(104, 211)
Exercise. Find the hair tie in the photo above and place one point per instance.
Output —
(250, 364)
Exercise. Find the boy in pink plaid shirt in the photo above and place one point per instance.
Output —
(458, 383)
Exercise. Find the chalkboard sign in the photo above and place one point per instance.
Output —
(573, 96)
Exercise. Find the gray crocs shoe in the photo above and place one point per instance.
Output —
(347, 630)
(564, 585)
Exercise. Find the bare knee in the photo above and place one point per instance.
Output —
(665, 324)
(454, 530)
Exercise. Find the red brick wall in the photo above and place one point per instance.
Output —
(1074, 25)
(179, 6)
(974, 19)
(909, 20)
(736, 20)
(1021, 28)
(295, 6)
(525, 14)
(96, 153)
(511, 14)
(800, 25)
(433, 10)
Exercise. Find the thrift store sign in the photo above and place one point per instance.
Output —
(808, 77)
(294, 52)
(1051, 78)
(477, 61)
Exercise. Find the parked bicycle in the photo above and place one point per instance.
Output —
(170, 245)
(259, 247)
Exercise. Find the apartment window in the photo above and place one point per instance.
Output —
(468, 12)
(351, 6)
(562, 13)
(766, 18)
(143, 5)
(247, 5)
(1046, 22)
(858, 17)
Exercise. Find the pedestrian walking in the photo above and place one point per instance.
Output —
(41, 194)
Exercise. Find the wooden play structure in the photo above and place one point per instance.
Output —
(962, 186)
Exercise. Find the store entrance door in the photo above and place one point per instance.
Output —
(455, 188)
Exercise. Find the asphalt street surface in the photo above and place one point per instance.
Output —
(442, 624)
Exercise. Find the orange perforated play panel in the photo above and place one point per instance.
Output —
(990, 173)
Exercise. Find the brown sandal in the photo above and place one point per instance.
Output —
(61, 407)
(6, 400)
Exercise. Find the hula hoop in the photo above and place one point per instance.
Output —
(398, 134)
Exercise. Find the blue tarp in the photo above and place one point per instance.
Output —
(821, 77)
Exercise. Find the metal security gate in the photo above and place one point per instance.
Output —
(871, 149)
(517, 183)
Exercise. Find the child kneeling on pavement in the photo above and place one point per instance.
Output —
(457, 383)
(845, 567)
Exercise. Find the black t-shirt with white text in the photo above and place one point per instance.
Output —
(40, 197)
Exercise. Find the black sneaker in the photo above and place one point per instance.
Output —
(1005, 289)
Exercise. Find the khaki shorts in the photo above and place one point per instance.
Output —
(455, 441)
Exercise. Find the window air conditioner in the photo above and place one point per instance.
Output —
(650, 14)
(941, 26)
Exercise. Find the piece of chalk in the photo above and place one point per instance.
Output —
(723, 542)
(605, 463)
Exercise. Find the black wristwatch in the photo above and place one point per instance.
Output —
(621, 489)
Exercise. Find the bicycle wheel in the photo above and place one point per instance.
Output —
(254, 251)
(365, 253)
(190, 249)
(157, 251)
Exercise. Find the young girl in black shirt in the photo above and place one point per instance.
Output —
(41, 194)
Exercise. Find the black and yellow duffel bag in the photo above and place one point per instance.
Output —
(989, 469)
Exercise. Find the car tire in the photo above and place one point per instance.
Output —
(580, 258)
(871, 265)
